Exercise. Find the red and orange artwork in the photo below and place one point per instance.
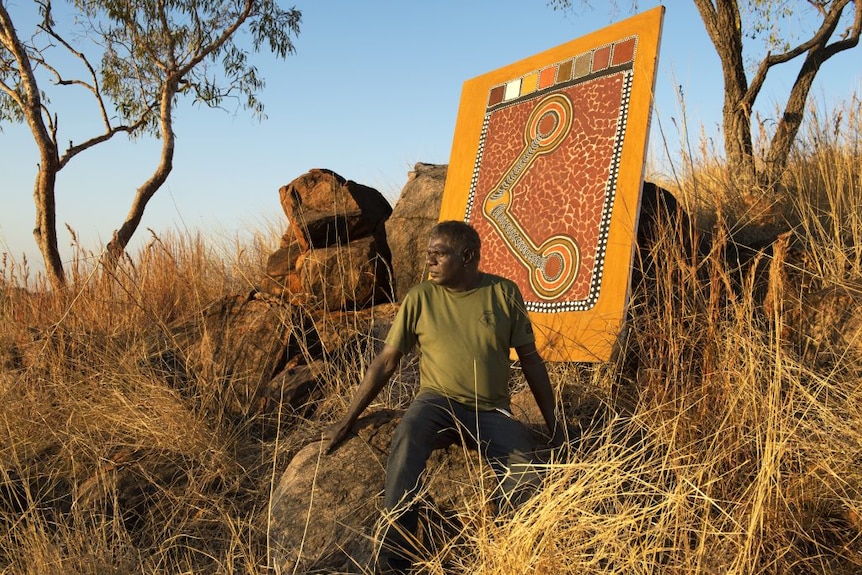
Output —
(547, 165)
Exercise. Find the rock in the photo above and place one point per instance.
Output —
(820, 315)
(234, 349)
(141, 485)
(296, 387)
(349, 340)
(281, 277)
(828, 323)
(334, 254)
(324, 209)
(326, 509)
(407, 229)
(340, 331)
(659, 212)
(348, 276)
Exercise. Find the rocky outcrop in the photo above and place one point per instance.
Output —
(324, 209)
(229, 354)
(337, 250)
(407, 229)
(334, 253)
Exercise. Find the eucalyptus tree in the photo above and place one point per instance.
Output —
(139, 57)
(825, 28)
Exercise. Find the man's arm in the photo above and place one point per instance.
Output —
(376, 376)
(537, 378)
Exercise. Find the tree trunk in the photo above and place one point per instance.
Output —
(45, 231)
(725, 30)
(120, 240)
(30, 104)
(721, 18)
(794, 110)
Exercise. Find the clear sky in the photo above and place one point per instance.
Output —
(373, 88)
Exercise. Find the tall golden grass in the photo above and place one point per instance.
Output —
(721, 446)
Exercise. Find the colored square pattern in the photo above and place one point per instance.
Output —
(547, 77)
(529, 83)
(562, 72)
(548, 168)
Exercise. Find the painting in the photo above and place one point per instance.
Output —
(547, 164)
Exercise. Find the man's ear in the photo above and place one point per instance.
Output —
(469, 255)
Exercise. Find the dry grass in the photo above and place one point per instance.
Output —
(724, 446)
(88, 420)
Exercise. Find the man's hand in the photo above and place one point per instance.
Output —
(537, 378)
(335, 434)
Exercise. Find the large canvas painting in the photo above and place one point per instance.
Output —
(547, 164)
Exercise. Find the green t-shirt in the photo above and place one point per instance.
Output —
(464, 338)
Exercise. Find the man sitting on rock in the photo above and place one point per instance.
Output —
(464, 323)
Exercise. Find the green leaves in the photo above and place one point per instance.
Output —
(156, 49)
(136, 58)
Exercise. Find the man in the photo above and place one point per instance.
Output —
(464, 323)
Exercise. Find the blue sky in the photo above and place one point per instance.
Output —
(373, 88)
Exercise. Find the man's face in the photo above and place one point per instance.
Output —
(445, 264)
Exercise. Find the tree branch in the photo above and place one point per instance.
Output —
(31, 106)
(213, 46)
(820, 38)
(166, 30)
(74, 150)
(791, 118)
(48, 27)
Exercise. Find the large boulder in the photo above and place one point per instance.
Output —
(407, 229)
(348, 276)
(230, 352)
(334, 254)
(659, 214)
(324, 209)
(326, 511)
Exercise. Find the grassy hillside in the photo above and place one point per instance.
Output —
(728, 438)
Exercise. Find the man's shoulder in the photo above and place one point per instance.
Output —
(493, 280)
(422, 287)
(428, 288)
(496, 279)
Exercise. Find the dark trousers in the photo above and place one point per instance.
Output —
(433, 422)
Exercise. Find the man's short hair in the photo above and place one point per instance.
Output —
(460, 234)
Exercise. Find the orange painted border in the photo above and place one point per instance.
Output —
(583, 334)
